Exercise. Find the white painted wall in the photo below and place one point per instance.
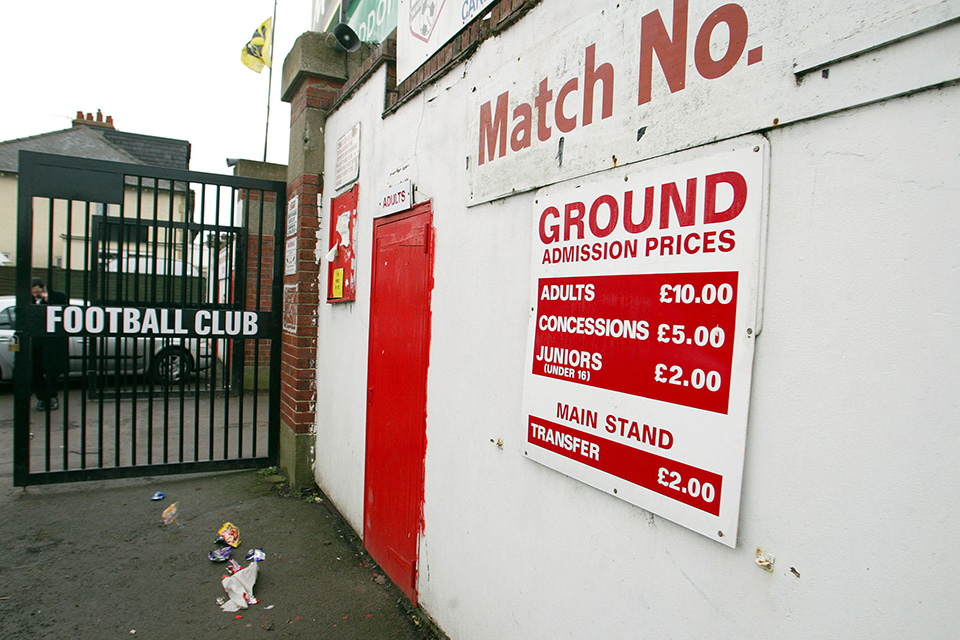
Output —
(851, 469)
(343, 327)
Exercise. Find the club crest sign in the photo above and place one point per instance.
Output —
(423, 17)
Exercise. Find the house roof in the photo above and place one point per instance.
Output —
(100, 143)
(158, 152)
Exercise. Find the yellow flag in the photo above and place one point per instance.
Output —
(256, 53)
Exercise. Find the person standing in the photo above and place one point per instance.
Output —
(50, 354)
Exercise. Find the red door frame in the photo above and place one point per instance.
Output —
(398, 357)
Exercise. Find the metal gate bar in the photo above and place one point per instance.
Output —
(157, 244)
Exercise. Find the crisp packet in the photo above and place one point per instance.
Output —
(159, 495)
(230, 534)
(256, 555)
(169, 514)
(220, 555)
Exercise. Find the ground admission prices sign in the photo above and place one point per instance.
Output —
(640, 349)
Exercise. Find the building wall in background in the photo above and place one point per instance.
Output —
(8, 202)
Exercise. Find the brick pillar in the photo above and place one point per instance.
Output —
(313, 73)
(298, 377)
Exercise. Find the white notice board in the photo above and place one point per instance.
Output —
(646, 281)
(293, 215)
(290, 257)
(348, 157)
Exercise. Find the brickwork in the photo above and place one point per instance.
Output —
(299, 350)
(315, 93)
(254, 195)
(384, 53)
(502, 14)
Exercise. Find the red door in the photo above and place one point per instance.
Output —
(397, 392)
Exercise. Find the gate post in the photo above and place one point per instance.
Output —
(313, 73)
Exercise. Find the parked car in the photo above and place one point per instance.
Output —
(165, 361)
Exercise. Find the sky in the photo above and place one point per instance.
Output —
(169, 69)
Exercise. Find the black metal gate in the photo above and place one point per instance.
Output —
(160, 329)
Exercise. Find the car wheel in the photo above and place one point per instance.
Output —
(171, 366)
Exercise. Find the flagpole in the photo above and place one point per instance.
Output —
(273, 32)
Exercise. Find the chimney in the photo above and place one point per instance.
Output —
(90, 121)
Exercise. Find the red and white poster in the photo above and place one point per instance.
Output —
(341, 256)
(646, 281)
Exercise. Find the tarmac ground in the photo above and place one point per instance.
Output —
(95, 560)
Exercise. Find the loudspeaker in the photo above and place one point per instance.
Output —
(346, 37)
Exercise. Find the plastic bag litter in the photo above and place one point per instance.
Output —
(239, 588)
(169, 514)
